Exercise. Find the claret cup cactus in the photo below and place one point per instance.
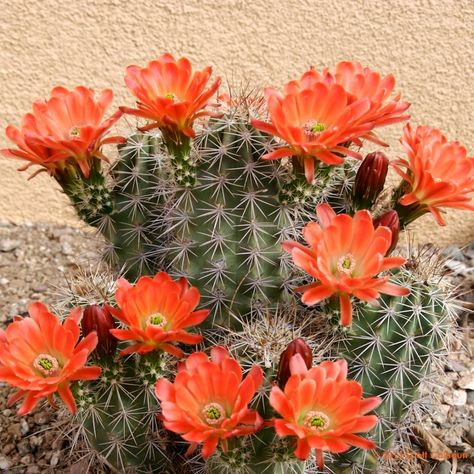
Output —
(263, 320)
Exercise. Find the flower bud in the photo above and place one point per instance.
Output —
(99, 319)
(370, 180)
(298, 346)
(390, 219)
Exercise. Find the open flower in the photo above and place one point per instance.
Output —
(41, 357)
(437, 174)
(323, 409)
(316, 123)
(345, 255)
(208, 401)
(169, 93)
(321, 114)
(156, 312)
(360, 83)
(66, 129)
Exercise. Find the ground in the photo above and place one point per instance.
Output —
(37, 259)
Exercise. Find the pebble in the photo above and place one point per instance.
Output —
(8, 245)
(54, 459)
(24, 427)
(470, 396)
(41, 418)
(456, 397)
(33, 470)
(443, 468)
(4, 463)
(467, 381)
(440, 414)
(15, 430)
(23, 447)
(26, 459)
(470, 435)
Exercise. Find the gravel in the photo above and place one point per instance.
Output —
(34, 259)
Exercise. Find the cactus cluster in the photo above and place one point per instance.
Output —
(210, 209)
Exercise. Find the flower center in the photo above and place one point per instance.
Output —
(170, 96)
(157, 319)
(213, 413)
(316, 421)
(346, 264)
(74, 132)
(313, 128)
(46, 364)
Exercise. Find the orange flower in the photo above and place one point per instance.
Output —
(323, 409)
(69, 127)
(208, 401)
(345, 254)
(157, 310)
(438, 173)
(361, 83)
(321, 114)
(316, 123)
(169, 93)
(41, 356)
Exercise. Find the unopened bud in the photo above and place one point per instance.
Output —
(390, 219)
(370, 180)
(298, 346)
(97, 318)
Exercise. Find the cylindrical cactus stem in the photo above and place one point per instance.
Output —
(390, 349)
(117, 418)
(90, 196)
(132, 229)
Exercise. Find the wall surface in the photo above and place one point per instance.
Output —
(427, 44)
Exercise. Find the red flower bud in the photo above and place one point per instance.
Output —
(298, 346)
(370, 180)
(99, 319)
(390, 219)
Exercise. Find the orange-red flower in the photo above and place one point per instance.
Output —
(156, 312)
(208, 401)
(345, 255)
(316, 123)
(323, 409)
(321, 114)
(361, 83)
(67, 128)
(438, 173)
(41, 357)
(169, 93)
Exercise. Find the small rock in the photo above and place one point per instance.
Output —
(33, 470)
(5, 463)
(4, 281)
(23, 447)
(456, 397)
(26, 459)
(470, 396)
(41, 418)
(35, 441)
(454, 366)
(470, 436)
(440, 415)
(54, 459)
(24, 427)
(7, 412)
(466, 381)
(8, 245)
(443, 468)
(8, 448)
(66, 249)
(15, 430)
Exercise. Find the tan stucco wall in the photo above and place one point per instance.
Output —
(427, 44)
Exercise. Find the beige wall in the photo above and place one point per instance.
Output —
(427, 44)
